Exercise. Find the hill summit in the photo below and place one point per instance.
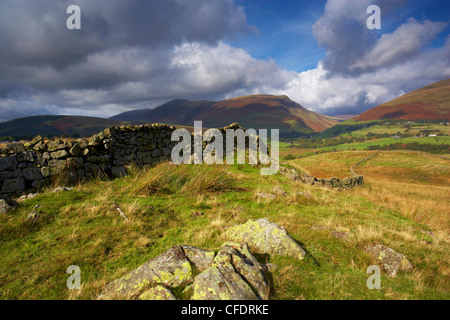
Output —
(431, 102)
(255, 111)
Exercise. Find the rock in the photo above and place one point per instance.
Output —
(8, 163)
(304, 194)
(15, 186)
(75, 150)
(234, 275)
(279, 191)
(200, 259)
(340, 235)
(59, 154)
(157, 293)
(5, 207)
(267, 196)
(265, 237)
(171, 269)
(62, 189)
(388, 259)
(290, 173)
(32, 173)
(56, 166)
(36, 139)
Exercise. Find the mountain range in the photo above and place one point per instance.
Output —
(261, 111)
(255, 111)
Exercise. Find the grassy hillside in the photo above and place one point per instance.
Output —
(405, 196)
(430, 102)
(54, 126)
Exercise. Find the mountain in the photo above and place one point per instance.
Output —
(430, 102)
(54, 125)
(255, 111)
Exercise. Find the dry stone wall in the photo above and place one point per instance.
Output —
(27, 167)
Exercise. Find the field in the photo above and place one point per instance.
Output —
(403, 204)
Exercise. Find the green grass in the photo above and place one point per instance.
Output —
(386, 141)
(194, 205)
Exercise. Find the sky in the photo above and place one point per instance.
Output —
(138, 54)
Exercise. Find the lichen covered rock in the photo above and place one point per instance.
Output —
(157, 293)
(170, 269)
(234, 275)
(265, 237)
(388, 259)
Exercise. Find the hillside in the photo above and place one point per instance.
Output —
(430, 102)
(56, 125)
(168, 206)
(256, 111)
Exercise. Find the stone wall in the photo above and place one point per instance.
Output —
(335, 183)
(27, 167)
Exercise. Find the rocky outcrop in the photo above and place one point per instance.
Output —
(265, 237)
(171, 269)
(232, 274)
(388, 259)
(235, 274)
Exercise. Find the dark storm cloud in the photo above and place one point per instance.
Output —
(120, 44)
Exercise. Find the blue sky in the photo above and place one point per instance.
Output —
(285, 28)
(138, 54)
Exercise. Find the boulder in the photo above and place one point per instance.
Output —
(234, 275)
(5, 207)
(170, 269)
(157, 293)
(388, 259)
(32, 173)
(15, 186)
(265, 237)
(8, 163)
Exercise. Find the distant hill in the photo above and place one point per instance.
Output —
(430, 102)
(255, 111)
(54, 126)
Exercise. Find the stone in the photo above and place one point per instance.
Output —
(32, 173)
(75, 150)
(234, 275)
(290, 173)
(266, 196)
(171, 269)
(5, 207)
(8, 163)
(56, 166)
(279, 191)
(15, 186)
(390, 261)
(36, 139)
(59, 154)
(59, 189)
(200, 259)
(157, 293)
(45, 171)
(265, 237)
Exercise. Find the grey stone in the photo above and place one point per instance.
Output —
(8, 163)
(15, 186)
(388, 259)
(32, 173)
(265, 237)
